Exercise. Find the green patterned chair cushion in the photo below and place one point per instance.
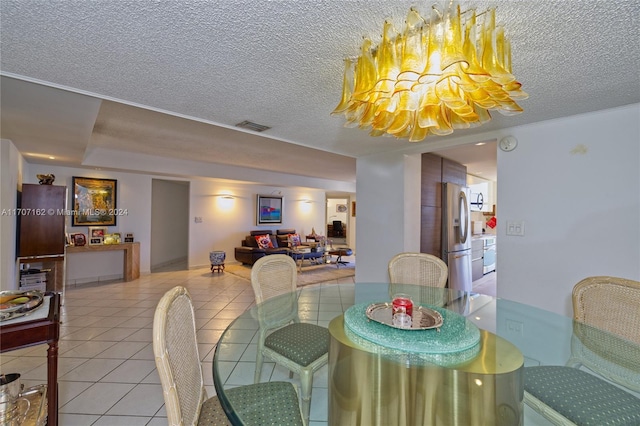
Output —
(212, 414)
(269, 403)
(581, 397)
(311, 342)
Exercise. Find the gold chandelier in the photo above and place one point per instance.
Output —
(437, 76)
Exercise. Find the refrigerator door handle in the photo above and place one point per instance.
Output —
(464, 207)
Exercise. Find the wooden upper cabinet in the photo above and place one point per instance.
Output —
(454, 172)
(41, 220)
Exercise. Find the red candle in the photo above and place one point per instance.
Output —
(402, 304)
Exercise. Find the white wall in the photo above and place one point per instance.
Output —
(388, 188)
(224, 222)
(575, 182)
(11, 167)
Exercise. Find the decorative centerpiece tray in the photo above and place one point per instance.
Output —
(456, 340)
(18, 303)
(422, 318)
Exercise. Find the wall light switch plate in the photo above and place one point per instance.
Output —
(515, 227)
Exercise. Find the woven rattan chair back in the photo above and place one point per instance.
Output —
(302, 348)
(418, 269)
(176, 355)
(273, 275)
(609, 303)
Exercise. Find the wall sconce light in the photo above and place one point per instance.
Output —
(226, 201)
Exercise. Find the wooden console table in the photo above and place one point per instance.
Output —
(24, 332)
(131, 268)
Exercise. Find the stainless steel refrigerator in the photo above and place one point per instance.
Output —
(456, 235)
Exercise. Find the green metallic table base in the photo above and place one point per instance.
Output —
(381, 389)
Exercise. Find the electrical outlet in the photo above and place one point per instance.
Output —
(198, 219)
(515, 327)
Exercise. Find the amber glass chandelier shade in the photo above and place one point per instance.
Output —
(439, 74)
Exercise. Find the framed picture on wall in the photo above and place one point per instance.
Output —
(94, 201)
(269, 209)
(341, 208)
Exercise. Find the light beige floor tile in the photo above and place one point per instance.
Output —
(87, 333)
(92, 370)
(142, 335)
(130, 371)
(122, 350)
(97, 399)
(137, 322)
(143, 400)
(122, 421)
(69, 390)
(115, 334)
(76, 419)
(64, 366)
(145, 353)
(86, 349)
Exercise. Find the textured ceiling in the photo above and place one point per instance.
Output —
(277, 63)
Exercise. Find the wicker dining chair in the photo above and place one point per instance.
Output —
(418, 269)
(176, 354)
(302, 348)
(569, 395)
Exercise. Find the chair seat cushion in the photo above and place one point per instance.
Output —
(311, 342)
(269, 403)
(211, 413)
(582, 397)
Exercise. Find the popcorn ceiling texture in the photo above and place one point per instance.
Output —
(279, 63)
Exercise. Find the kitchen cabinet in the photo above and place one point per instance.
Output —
(477, 264)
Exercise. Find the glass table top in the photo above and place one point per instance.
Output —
(542, 337)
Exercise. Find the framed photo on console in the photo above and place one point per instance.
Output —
(269, 209)
(79, 239)
(96, 241)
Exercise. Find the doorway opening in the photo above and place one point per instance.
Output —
(169, 225)
(481, 162)
(337, 223)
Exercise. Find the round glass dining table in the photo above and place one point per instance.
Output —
(467, 370)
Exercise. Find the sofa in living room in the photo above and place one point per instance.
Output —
(263, 242)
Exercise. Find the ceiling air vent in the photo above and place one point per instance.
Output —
(249, 125)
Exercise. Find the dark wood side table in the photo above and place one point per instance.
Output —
(22, 334)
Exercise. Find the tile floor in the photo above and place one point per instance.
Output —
(106, 371)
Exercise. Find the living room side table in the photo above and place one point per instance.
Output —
(27, 332)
